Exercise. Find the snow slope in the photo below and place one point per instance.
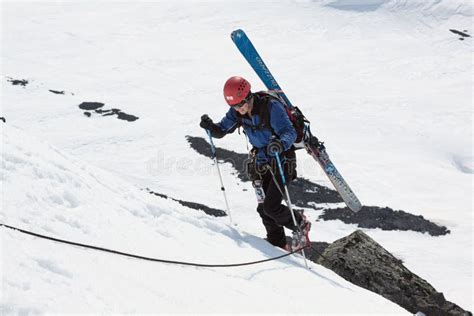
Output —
(51, 193)
(438, 9)
(388, 89)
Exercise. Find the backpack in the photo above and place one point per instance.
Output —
(294, 114)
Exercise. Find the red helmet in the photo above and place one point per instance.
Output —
(236, 89)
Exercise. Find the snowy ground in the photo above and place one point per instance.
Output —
(385, 84)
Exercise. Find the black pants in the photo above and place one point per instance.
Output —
(274, 214)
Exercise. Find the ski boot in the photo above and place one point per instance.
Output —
(300, 238)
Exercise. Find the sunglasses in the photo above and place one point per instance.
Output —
(243, 102)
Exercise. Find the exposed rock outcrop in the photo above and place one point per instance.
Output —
(96, 108)
(385, 218)
(197, 206)
(18, 82)
(362, 261)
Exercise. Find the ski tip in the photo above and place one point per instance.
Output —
(237, 33)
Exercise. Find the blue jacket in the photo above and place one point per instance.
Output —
(260, 138)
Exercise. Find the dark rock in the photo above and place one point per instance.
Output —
(89, 106)
(305, 193)
(88, 114)
(16, 82)
(362, 261)
(200, 207)
(3, 119)
(96, 107)
(463, 34)
(56, 92)
(126, 117)
(385, 219)
(317, 248)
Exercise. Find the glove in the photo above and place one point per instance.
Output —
(206, 122)
(275, 147)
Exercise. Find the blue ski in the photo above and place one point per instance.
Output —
(247, 49)
(315, 148)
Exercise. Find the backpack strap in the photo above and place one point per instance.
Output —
(263, 100)
(263, 112)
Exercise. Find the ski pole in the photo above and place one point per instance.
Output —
(288, 202)
(287, 196)
(213, 149)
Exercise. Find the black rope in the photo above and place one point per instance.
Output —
(147, 258)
